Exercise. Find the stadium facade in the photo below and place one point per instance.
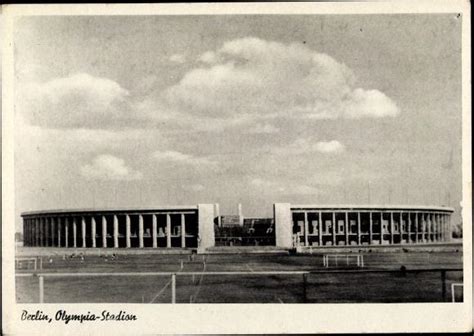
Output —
(196, 227)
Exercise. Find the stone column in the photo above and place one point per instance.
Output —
(83, 231)
(450, 233)
(444, 228)
(140, 231)
(333, 228)
(320, 229)
(93, 230)
(168, 230)
(116, 231)
(346, 227)
(401, 228)
(59, 221)
(381, 229)
(127, 231)
(183, 231)
(154, 229)
(409, 227)
(306, 242)
(283, 225)
(392, 228)
(66, 231)
(423, 227)
(74, 232)
(429, 223)
(417, 229)
(104, 231)
(359, 229)
(371, 222)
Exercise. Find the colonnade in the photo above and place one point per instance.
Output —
(164, 229)
(353, 227)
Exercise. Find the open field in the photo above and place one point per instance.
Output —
(342, 283)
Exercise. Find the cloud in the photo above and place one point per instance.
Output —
(109, 167)
(255, 79)
(333, 146)
(77, 101)
(310, 145)
(208, 57)
(181, 158)
(178, 58)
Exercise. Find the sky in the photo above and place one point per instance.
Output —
(252, 109)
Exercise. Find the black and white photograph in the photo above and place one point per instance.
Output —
(313, 158)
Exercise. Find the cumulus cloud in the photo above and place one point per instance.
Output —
(178, 58)
(255, 79)
(79, 100)
(109, 167)
(310, 145)
(208, 57)
(333, 146)
(181, 158)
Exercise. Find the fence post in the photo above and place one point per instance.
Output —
(173, 288)
(305, 280)
(443, 284)
(41, 289)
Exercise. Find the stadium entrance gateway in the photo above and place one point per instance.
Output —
(201, 227)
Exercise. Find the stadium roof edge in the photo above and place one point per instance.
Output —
(372, 206)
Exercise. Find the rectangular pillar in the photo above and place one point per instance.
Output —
(59, 231)
(392, 228)
(140, 231)
(183, 231)
(429, 224)
(154, 229)
(334, 228)
(401, 228)
(306, 242)
(127, 231)
(320, 229)
(116, 232)
(371, 222)
(74, 232)
(206, 237)
(66, 231)
(381, 229)
(359, 230)
(409, 227)
(346, 227)
(104, 231)
(416, 228)
(283, 225)
(93, 231)
(450, 233)
(83, 231)
(37, 229)
(423, 228)
(168, 230)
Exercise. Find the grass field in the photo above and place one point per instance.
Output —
(323, 286)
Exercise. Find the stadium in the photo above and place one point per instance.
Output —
(201, 227)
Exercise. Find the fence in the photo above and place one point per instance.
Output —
(20, 261)
(308, 280)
